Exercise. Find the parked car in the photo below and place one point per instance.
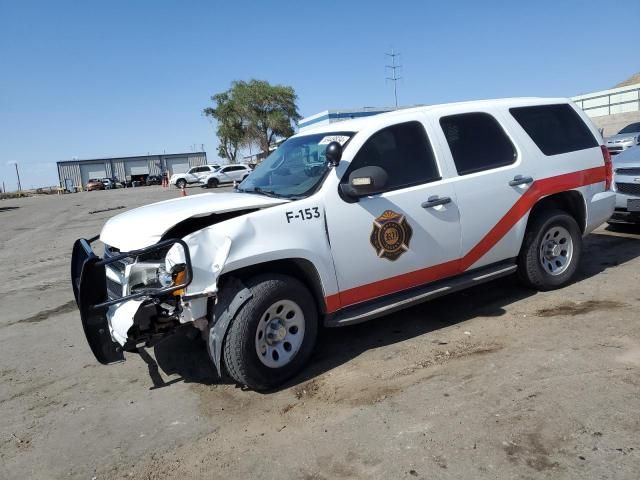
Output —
(108, 183)
(626, 184)
(154, 180)
(628, 137)
(193, 175)
(227, 174)
(95, 184)
(409, 205)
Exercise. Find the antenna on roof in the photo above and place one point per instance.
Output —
(394, 67)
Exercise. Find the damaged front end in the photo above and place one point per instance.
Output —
(130, 299)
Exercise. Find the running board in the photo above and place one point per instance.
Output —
(398, 301)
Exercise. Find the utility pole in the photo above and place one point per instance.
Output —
(394, 67)
(18, 175)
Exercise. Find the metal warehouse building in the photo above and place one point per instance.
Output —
(78, 172)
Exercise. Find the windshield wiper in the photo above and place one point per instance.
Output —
(266, 193)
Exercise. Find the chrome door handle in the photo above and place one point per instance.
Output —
(435, 200)
(520, 180)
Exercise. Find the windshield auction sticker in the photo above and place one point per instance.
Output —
(341, 139)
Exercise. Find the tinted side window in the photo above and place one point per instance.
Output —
(403, 151)
(477, 142)
(554, 129)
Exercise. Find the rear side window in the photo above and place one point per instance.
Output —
(477, 142)
(403, 151)
(554, 129)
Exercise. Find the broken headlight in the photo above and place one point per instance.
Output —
(175, 276)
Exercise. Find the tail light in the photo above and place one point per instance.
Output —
(608, 167)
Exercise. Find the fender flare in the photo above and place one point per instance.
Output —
(232, 297)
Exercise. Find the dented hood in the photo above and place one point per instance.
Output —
(144, 226)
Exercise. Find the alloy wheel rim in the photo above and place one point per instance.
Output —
(280, 333)
(556, 250)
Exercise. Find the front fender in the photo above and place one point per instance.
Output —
(257, 238)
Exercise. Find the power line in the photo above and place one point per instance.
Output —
(394, 67)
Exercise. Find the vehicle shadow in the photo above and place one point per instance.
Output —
(602, 250)
(613, 246)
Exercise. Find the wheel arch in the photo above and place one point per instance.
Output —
(570, 201)
(299, 268)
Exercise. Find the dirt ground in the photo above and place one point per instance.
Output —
(494, 382)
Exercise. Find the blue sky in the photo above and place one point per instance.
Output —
(86, 79)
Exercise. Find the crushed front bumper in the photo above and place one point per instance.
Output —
(89, 281)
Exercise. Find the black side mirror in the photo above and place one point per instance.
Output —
(366, 181)
(333, 153)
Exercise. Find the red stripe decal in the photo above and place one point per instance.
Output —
(535, 192)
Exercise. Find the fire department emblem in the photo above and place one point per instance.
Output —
(391, 235)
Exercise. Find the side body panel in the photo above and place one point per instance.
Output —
(294, 230)
(484, 197)
(365, 269)
(484, 223)
(494, 215)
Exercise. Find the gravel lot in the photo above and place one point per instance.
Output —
(494, 382)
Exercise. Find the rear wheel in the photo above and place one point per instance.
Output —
(551, 250)
(181, 183)
(272, 335)
(213, 183)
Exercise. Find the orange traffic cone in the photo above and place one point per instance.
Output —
(184, 192)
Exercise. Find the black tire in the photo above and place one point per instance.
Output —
(181, 183)
(213, 183)
(530, 266)
(240, 355)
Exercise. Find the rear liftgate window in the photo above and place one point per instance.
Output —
(477, 142)
(554, 129)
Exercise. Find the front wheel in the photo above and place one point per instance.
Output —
(181, 183)
(213, 183)
(273, 334)
(551, 250)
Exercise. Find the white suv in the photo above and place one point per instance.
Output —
(193, 175)
(226, 174)
(348, 222)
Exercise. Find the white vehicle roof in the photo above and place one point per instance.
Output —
(375, 121)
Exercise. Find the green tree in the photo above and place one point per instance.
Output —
(253, 113)
(230, 131)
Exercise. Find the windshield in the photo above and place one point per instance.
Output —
(633, 128)
(295, 169)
